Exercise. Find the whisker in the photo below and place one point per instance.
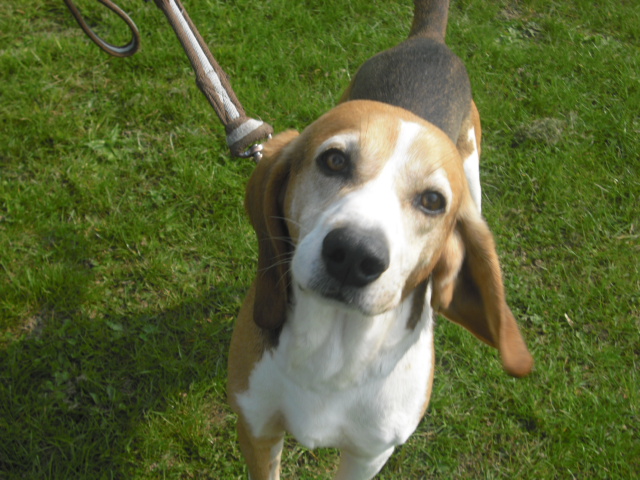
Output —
(287, 240)
(288, 220)
(283, 259)
(286, 277)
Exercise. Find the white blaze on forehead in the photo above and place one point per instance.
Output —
(408, 134)
(403, 149)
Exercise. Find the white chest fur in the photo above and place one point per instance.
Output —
(341, 379)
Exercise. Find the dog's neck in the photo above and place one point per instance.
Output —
(328, 345)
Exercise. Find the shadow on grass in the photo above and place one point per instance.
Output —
(74, 393)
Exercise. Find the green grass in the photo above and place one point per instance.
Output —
(125, 251)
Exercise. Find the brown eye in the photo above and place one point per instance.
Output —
(431, 202)
(334, 162)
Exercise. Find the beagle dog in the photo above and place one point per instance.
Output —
(368, 223)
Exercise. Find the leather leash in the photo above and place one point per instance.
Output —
(243, 133)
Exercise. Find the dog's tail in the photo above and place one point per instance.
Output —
(430, 19)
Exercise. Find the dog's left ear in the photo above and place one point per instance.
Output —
(264, 203)
(468, 290)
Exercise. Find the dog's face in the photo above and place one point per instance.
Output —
(366, 204)
(372, 198)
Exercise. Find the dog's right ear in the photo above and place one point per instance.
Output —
(264, 203)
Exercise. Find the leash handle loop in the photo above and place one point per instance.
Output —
(115, 50)
(242, 131)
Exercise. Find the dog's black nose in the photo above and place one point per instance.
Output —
(355, 257)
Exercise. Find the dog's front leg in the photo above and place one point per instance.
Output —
(262, 454)
(355, 467)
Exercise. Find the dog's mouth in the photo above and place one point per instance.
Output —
(360, 299)
(330, 290)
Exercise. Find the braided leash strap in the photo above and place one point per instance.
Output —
(242, 131)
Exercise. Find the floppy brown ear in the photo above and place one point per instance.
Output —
(264, 203)
(468, 290)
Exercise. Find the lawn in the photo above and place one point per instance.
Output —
(125, 251)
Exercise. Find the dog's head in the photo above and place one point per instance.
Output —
(366, 204)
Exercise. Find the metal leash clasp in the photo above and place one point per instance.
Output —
(254, 152)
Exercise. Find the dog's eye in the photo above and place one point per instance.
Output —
(334, 162)
(431, 202)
